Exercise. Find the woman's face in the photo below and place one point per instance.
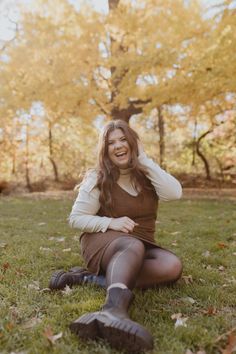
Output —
(118, 149)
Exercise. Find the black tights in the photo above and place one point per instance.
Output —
(127, 261)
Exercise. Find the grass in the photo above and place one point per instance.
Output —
(35, 240)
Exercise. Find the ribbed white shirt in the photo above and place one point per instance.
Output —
(83, 215)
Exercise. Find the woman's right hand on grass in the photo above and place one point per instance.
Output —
(123, 224)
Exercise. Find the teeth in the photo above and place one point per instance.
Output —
(120, 154)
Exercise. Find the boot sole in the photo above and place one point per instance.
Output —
(121, 334)
(54, 283)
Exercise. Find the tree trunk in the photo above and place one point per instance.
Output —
(51, 158)
(113, 4)
(161, 128)
(134, 107)
(13, 170)
(194, 144)
(202, 156)
(27, 171)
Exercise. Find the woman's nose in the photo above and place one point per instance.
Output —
(118, 144)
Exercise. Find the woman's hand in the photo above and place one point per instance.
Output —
(123, 224)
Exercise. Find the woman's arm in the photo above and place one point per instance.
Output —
(83, 215)
(167, 187)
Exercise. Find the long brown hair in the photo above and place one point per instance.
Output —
(108, 173)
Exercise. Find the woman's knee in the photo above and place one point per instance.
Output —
(123, 243)
(128, 242)
(175, 268)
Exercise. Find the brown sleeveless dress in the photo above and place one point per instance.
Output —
(141, 208)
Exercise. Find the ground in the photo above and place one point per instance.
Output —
(197, 314)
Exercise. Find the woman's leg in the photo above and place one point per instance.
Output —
(160, 267)
(123, 260)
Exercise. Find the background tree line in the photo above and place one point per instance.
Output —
(166, 66)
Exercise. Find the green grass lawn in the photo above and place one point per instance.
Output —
(35, 239)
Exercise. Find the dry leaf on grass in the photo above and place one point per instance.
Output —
(211, 311)
(231, 346)
(66, 250)
(67, 290)
(180, 321)
(3, 245)
(222, 245)
(52, 338)
(34, 285)
(5, 266)
(206, 254)
(221, 268)
(57, 239)
(45, 249)
(188, 279)
(188, 299)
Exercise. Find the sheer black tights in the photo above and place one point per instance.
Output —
(127, 261)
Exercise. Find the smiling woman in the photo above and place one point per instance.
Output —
(118, 149)
(116, 209)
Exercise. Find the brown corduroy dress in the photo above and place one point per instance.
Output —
(141, 208)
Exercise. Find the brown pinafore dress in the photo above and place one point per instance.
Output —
(141, 208)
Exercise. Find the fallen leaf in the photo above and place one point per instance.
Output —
(9, 326)
(67, 290)
(231, 346)
(222, 245)
(45, 249)
(181, 322)
(34, 285)
(57, 239)
(221, 268)
(3, 245)
(175, 233)
(188, 299)
(52, 338)
(206, 254)
(211, 311)
(175, 316)
(45, 290)
(66, 250)
(41, 223)
(188, 279)
(5, 266)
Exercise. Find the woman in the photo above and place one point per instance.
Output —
(116, 209)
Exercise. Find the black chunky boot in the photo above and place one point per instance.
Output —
(75, 276)
(113, 324)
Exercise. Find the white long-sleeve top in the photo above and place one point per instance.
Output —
(83, 215)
